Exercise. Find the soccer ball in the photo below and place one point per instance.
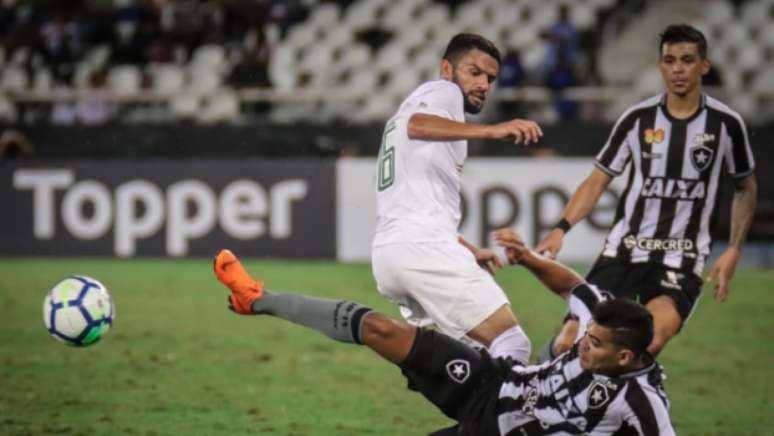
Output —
(78, 311)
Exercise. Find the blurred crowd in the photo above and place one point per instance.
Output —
(59, 34)
(73, 44)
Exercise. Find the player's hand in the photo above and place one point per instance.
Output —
(551, 244)
(514, 245)
(517, 131)
(488, 260)
(723, 271)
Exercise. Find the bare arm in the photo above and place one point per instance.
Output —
(742, 211)
(580, 205)
(434, 128)
(586, 196)
(486, 259)
(555, 276)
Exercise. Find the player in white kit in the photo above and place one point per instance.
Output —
(419, 260)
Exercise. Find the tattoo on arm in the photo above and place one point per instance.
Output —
(743, 210)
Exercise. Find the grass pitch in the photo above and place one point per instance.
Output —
(178, 363)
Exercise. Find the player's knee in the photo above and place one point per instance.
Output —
(377, 328)
(512, 343)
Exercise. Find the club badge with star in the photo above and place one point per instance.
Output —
(599, 395)
(458, 370)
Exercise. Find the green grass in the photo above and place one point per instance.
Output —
(178, 363)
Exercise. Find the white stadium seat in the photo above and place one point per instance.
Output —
(13, 79)
(124, 80)
(203, 81)
(167, 79)
(718, 12)
(220, 107)
(184, 105)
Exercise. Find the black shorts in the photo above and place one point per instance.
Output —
(462, 382)
(646, 281)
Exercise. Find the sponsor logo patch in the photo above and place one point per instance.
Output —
(654, 136)
(658, 244)
(672, 280)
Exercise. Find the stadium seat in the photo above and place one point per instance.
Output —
(222, 106)
(98, 57)
(324, 16)
(8, 111)
(43, 81)
(749, 57)
(718, 12)
(203, 81)
(390, 56)
(763, 82)
(650, 82)
(354, 56)
(13, 79)
(124, 80)
(166, 79)
(760, 12)
(82, 75)
(184, 105)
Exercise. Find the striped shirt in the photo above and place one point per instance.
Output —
(561, 398)
(665, 211)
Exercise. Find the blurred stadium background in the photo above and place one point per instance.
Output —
(158, 129)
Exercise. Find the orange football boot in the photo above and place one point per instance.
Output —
(244, 289)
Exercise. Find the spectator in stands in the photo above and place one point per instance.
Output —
(15, 144)
(562, 76)
(563, 42)
(252, 70)
(60, 42)
(94, 108)
(511, 75)
(560, 67)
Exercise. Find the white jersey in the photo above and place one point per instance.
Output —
(418, 182)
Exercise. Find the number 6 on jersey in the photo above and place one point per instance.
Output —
(386, 160)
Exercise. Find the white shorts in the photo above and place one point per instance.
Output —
(437, 283)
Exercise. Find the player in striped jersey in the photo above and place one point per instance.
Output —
(677, 145)
(607, 384)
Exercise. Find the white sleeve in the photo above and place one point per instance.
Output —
(441, 98)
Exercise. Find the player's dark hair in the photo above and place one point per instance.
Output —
(630, 323)
(462, 43)
(683, 33)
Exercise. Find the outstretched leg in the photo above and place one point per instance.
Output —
(340, 320)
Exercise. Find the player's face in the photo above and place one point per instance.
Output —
(682, 67)
(598, 352)
(474, 73)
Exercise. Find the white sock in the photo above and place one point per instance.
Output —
(512, 343)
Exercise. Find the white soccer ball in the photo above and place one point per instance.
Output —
(78, 311)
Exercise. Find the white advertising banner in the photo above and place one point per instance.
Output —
(524, 194)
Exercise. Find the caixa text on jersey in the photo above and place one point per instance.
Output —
(661, 187)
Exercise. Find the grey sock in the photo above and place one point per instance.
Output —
(338, 319)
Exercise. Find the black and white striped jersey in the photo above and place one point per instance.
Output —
(665, 211)
(561, 398)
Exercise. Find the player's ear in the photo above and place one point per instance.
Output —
(705, 66)
(625, 357)
(447, 70)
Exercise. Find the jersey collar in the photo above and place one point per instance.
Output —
(662, 102)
